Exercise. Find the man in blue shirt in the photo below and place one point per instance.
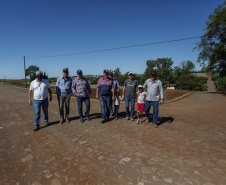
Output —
(154, 88)
(63, 91)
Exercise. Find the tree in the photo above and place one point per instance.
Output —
(213, 42)
(163, 66)
(117, 73)
(31, 72)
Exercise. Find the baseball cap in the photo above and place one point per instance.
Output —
(106, 71)
(111, 73)
(65, 70)
(79, 71)
(140, 86)
(153, 73)
(130, 74)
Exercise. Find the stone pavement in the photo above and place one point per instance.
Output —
(188, 147)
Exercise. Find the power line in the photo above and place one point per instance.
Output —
(123, 47)
(17, 65)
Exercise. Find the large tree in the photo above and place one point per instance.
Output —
(31, 71)
(163, 66)
(212, 46)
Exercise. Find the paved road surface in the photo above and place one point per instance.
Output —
(189, 146)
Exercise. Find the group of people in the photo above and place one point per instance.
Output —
(107, 93)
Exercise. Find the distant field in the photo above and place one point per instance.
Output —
(204, 75)
(170, 94)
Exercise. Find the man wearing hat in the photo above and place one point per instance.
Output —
(154, 88)
(129, 92)
(63, 91)
(82, 90)
(105, 86)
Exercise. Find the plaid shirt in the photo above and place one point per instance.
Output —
(80, 86)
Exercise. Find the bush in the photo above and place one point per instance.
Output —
(214, 77)
(221, 84)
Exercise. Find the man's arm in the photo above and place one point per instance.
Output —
(89, 89)
(161, 93)
(57, 87)
(50, 94)
(97, 93)
(30, 96)
(123, 92)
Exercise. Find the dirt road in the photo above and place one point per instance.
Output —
(188, 147)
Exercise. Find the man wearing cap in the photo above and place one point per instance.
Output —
(116, 84)
(154, 88)
(129, 93)
(40, 88)
(105, 86)
(82, 90)
(63, 91)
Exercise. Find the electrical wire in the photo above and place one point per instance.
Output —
(17, 66)
(123, 47)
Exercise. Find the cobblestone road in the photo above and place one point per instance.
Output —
(188, 147)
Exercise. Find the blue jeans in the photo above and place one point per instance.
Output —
(80, 101)
(116, 110)
(127, 100)
(111, 110)
(37, 107)
(105, 102)
(155, 110)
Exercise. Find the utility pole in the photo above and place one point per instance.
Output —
(4, 79)
(25, 72)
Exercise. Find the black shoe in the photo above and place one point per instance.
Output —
(47, 124)
(81, 120)
(36, 129)
(87, 117)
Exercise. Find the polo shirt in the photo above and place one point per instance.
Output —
(40, 89)
(105, 86)
(153, 89)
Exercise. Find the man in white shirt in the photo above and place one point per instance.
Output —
(40, 88)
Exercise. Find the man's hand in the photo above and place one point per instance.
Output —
(97, 97)
(122, 97)
(161, 101)
(30, 102)
(50, 98)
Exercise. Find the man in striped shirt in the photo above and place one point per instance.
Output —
(103, 93)
(81, 89)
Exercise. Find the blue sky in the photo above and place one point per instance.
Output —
(34, 28)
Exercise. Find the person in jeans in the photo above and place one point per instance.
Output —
(81, 89)
(116, 90)
(105, 86)
(129, 93)
(40, 88)
(154, 88)
(63, 91)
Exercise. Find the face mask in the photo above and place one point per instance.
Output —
(39, 77)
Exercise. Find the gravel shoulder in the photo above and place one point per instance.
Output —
(188, 147)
